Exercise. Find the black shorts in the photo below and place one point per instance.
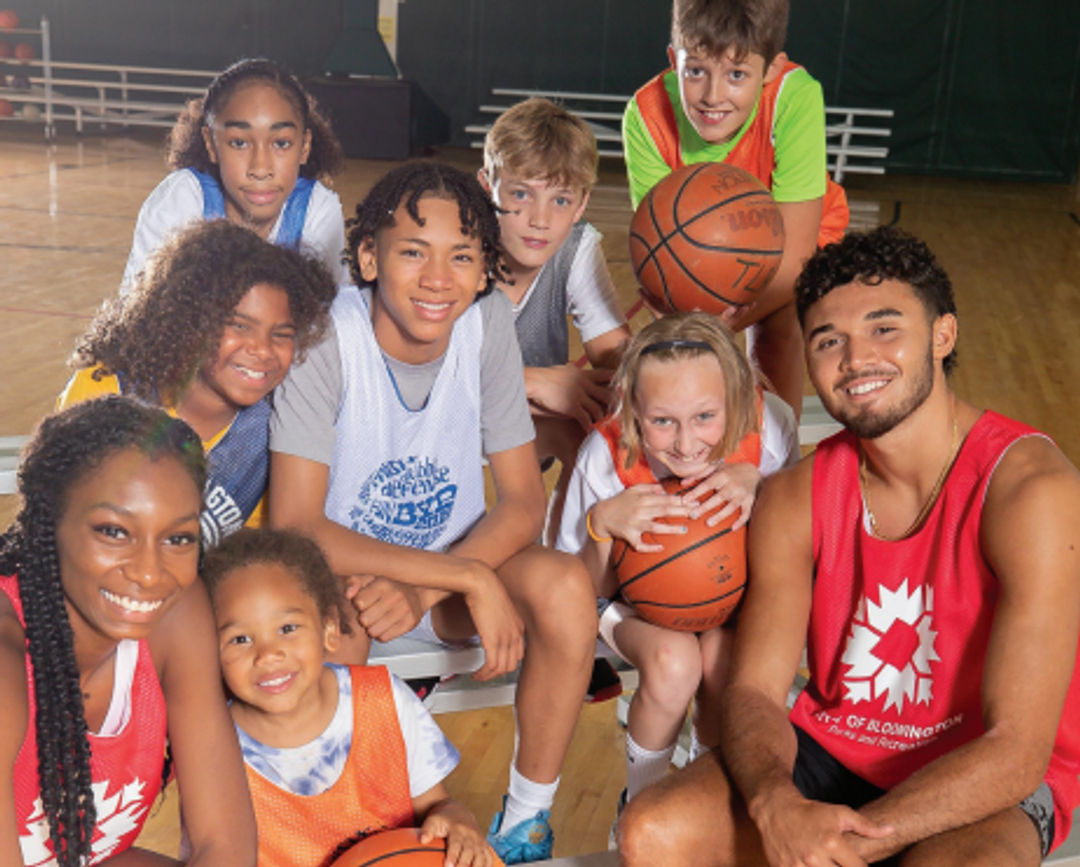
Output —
(820, 777)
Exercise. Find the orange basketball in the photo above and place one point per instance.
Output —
(400, 847)
(694, 583)
(24, 51)
(8, 19)
(709, 235)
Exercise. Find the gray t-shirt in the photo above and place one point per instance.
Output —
(306, 404)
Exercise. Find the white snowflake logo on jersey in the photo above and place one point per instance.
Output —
(890, 648)
(117, 815)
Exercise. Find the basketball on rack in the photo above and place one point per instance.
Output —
(24, 51)
(8, 19)
(694, 583)
(706, 237)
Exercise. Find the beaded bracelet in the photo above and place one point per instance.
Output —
(592, 532)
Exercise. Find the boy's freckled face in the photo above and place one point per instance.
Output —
(537, 217)
(272, 639)
(719, 93)
(426, 277)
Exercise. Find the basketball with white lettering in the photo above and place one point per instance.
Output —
(706, 237)
(694, 583)
(399, 847)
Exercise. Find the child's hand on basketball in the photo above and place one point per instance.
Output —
(465, 845)
(498, 624)
(633, 512)
(570, 391)
(384, 608)
(733, 486)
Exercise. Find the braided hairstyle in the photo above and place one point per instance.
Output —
(161, 333)
(65, 448)
(404, 187)
(185, 147)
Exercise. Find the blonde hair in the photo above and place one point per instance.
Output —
(539, 139)
(688, 335)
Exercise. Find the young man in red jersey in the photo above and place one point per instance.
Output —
(929, 557)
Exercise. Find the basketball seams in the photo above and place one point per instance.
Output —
(414, 850)
(696, 604)
(680, 553)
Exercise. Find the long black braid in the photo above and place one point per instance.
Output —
(64, 449)
(186, 148)
(406, 186)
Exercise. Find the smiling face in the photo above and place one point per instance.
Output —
(874, 354)
(255, 351)
(272, 643)
(537, 216)
(679, 406)
(128, 544)
(719, 93)
(426, 277)
(258, 142)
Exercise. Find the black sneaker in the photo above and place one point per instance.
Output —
(604, 684)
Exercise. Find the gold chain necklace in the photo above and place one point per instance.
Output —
(934, 492)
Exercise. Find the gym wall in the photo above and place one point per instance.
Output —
(989, 88)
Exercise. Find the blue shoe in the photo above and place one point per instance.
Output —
(530, 840)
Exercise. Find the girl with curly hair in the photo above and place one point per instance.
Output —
(107, 645)
(208, 331)
(256, 151)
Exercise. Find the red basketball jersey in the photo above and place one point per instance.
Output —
(125, 768)
(898, 630)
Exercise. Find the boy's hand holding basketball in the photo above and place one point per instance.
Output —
(465, 845)
(568, 390)
(632, 513)
(734, 486)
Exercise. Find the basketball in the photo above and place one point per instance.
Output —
(24, 51)
(706, 237)
(30, 111)
(694, 583)
(8, 19)
(400, 847)
(5, 50)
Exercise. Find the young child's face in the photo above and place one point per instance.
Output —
(272, 638)
(537, 216)
(719, 93)
(255, 350)
(426, 277)
(128, 544)
(258, 143)
(679, 406)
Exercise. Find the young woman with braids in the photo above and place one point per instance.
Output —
(377, 444)
(208, 330)
(106, 647)
(256, 151)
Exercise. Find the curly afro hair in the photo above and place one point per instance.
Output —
(186, 148)
(404, 187)
(296, 553)
(886, 253)
(64, 449)
(161, 333)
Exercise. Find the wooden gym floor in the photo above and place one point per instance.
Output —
(1013, 251)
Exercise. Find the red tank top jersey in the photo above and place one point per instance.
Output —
(372, 793)
(755, 151)
(898, 630)
(125, 768)
(748, 450)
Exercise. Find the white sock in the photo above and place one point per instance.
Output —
(644, 767)
(525, 799)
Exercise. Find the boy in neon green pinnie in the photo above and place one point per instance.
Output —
(731, 95)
